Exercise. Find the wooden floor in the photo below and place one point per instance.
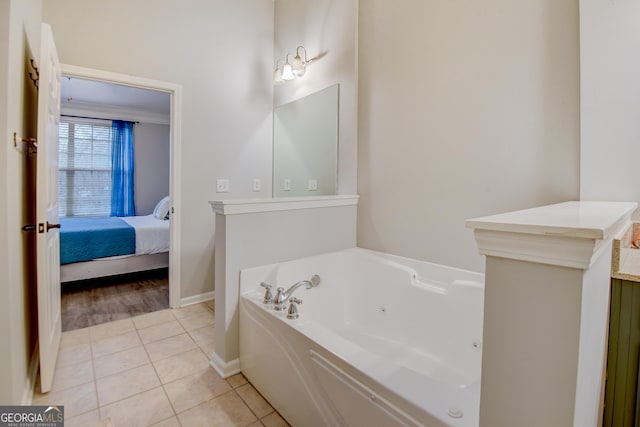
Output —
(92, 302)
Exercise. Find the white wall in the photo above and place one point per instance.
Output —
(151, 165)
(328, 30)
(465, 109)
(221, 53)
(610, 100)
(19, 29)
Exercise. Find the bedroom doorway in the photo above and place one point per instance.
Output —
(148, 202)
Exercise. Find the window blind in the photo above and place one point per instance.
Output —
(84, 164)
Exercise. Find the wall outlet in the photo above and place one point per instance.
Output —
(312, 185)
(286, 185)
(222, 186)
(257, 185)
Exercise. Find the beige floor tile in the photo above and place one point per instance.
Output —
(256, 424)
(203, 335)
(73, 375)
(236, 380)
(75, 337)
(225, 411)
(72, 354)
(254, 400)
(125, 384)
(170, 346)
(115, 344)
(169, 422)
(161, 331)
(208, 349)
(190, 310)
(181, 365)
(198, 320)
(274, 420)
(140, 410)
(83, 420)
(76, 400)
(195, 389)
(153, 318)
(110, 329)
(119, 362)
(211, 305)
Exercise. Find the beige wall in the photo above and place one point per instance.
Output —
(19, 29)
(328, 29)
(610, 100)
(221, 53)
(465, 109)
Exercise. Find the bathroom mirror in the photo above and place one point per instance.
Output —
(305, 145)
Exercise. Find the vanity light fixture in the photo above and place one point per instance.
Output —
(300, 66)
(287, 69)
(277, 74)
(290, 71)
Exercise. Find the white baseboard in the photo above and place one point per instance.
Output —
(208, 296)
(225, 369)
(30, 384)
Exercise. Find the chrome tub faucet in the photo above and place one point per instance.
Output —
(280, 300)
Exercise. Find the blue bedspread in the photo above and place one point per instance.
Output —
(84, 239)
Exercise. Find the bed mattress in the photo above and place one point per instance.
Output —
(86, 239)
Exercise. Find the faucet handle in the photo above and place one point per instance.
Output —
(293, 308)
(279, 303)
(268, 297)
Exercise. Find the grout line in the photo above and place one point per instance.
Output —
(173, 409)
(95, 380)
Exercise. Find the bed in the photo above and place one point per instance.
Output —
(107, 246)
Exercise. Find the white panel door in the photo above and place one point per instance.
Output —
(48, 240)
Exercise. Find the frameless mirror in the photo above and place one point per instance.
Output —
(305, 145)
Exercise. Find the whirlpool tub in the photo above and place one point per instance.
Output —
(381, 341)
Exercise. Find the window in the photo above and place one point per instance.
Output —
(84, 162)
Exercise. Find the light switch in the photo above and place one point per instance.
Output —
(256, 184)
(286, 186)
(312, 185)
(222, 186)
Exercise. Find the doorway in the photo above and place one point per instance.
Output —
(174, 93)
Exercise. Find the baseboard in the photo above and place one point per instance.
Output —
(225, 369)
(207, 296)
(30, 384)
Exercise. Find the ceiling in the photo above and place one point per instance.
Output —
(80, 93)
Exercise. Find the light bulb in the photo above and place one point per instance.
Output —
(287, 72)
(277, 77)
(299, 67)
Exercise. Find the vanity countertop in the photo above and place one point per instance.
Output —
(625, 261)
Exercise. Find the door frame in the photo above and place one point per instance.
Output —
(175, 92)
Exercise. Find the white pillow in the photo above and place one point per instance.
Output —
(162, 208)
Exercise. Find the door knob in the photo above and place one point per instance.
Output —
(50, 226)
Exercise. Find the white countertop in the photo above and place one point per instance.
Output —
(594, 220)
(243, 206)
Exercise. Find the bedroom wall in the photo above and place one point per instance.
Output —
(19, 29)
(465, 109)
(221, 53)
(151, 165)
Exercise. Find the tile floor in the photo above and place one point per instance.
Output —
(149, 370)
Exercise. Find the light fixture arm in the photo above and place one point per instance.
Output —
(305, 62)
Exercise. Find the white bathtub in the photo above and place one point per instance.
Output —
(382, 341)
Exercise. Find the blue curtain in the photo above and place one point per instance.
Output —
(122, 203)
